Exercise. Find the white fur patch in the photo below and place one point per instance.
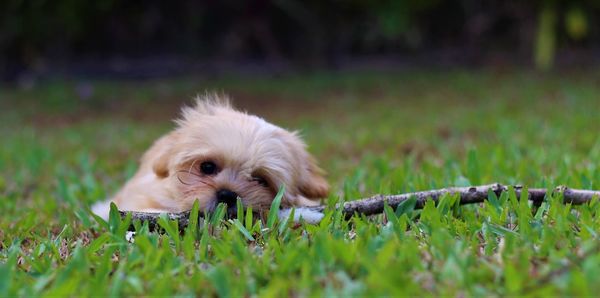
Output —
(130, 236)
(309, 215)
(102, 209)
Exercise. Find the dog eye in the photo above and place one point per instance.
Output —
(208, 168)
(260, 180)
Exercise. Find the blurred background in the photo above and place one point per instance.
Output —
(385, 87)
(390, 96)
(153, 38)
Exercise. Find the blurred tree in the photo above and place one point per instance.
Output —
(545, 45)
(548, 30)
(576, 23)
(38, 34)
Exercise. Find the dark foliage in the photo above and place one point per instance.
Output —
(308, 33)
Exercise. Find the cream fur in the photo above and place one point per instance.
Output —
(242, 145)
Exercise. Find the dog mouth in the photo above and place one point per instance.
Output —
(231, 208)
(228, 199)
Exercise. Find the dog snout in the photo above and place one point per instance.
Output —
(227, 196)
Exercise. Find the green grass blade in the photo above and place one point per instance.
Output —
(274, 211)
(406, 207)
(171, 227)
(238, 225)
(249, 219)
(192, 227)
(240, 209)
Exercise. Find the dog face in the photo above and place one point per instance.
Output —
(218, 154)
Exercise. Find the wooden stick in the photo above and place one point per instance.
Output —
(468, 195)
(374, 205)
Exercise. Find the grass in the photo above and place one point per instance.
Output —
(63, 149)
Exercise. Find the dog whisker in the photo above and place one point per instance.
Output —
(189, 178)
(183, 176)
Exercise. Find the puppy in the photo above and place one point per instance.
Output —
(215, 155)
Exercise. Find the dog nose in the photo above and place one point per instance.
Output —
(227, 196)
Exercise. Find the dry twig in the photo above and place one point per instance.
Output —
(374, 205)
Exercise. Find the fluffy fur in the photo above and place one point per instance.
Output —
(253, 159)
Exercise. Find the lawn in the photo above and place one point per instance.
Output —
(68, 144)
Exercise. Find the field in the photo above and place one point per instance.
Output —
(68, 144)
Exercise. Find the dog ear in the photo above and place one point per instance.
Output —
(159, 155)
(313, 184)
(161, 166)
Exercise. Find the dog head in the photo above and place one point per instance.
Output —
(218, 154)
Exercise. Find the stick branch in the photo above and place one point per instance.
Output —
(374, 205)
